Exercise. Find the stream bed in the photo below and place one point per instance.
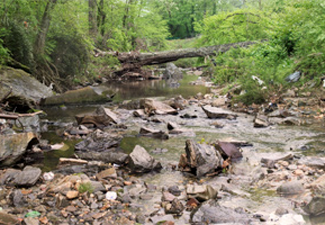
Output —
(246, 192)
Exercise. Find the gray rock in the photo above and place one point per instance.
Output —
(201, 158)
(18, 199)
(139, 161)
(97, 186)
(108, 157)
(144, 131)
(293, 77)
(172, 72)
(316, 206)
(98, 141)
(175, 190)
(261, 121)
(13, 146)
(211, 212)
(29, 123)
(229, 150)
(218, 113)
(201, 192)
(24, 89)
(314, 162)
(176, 207)
(291, 188)
(281, 211)
(8, 176)
(28, 177)
(152, 107)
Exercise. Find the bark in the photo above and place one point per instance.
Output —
(92, 17)
(39, 45)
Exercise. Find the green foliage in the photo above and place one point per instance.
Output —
(69, 55)
(86, 187)
(15, 39)
(240, 25)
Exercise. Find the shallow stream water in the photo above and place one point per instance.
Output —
(265, 142)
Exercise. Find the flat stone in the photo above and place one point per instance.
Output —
(217, 113)
(97, 186)
(109, 173)
(314, 162)
(8, 219)
(211, 212)
(166, 196)
(31, 221)
(28, 177)
(291, 188)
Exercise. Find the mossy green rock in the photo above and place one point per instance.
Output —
(83, 95)
(24, 89)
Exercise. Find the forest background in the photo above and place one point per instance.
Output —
(54, 40)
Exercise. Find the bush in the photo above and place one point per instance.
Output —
(69, 55)
(15, 39)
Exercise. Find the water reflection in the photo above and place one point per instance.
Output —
(126, 90)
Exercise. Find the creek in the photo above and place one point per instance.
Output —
(307, 140)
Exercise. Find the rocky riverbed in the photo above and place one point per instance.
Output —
(178, 161)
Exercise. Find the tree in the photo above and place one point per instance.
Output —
(93, 17)
(39, 46)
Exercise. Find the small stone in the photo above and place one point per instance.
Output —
(281, 211)
(71, 208)
(109, 173)
(94, 205)
(174, 190)
(167, 196)
(31, 221)
(299, 173)
(72, 194)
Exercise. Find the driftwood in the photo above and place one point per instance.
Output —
(17, 115)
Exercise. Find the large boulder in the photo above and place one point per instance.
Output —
(83, 95)
(200, 159)
(139, 161)
(25, 91)
(14, 146)
(316, 206)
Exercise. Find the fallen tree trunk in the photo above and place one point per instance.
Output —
(141, 59)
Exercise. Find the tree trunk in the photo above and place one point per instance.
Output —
(39, 46)
(133, 61)
(173, 55)
(92, 17)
